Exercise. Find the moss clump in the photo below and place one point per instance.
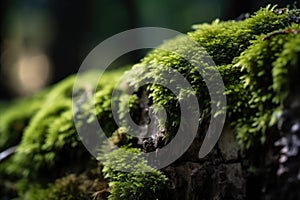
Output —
(50, 146)
(130, 177)
(15, 117)
(50, 137)
(226, 40)
(86, 186)
(266, 64)
(252, 69)
(254, 58)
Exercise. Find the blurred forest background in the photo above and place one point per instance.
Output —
(43, 41)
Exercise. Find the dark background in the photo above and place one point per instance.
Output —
(60, 33)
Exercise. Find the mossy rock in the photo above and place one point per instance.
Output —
(256, 58)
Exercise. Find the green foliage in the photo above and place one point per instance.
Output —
(15, 117)
(266, 64)
(49, 135)
(128, 103)
(140, 182)
(100, 105)
(252, 57)
(89, 185)
(255, 57)
(51, 140)
(226, 40)
(49, 145)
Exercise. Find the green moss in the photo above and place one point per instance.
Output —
(266, 64)
(49, 134)
(50, 146)
(89, 185)
(246, 61)
(15, 117)
(255, 57)
(51, 140)
(140, 182)
(226, 40)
